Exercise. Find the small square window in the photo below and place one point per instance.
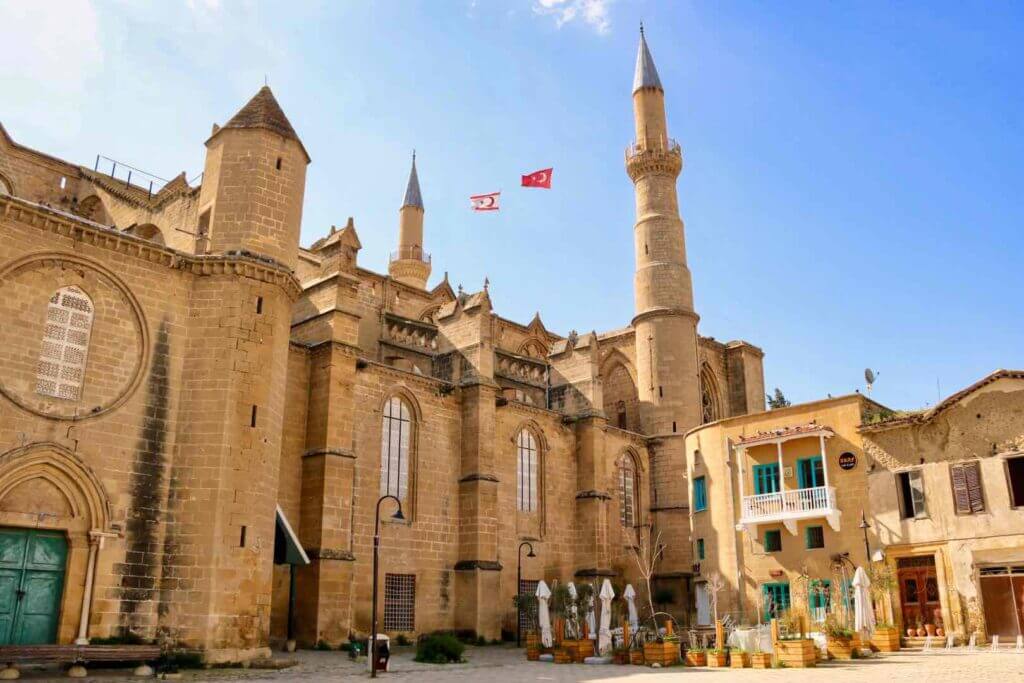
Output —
(815, 537)
(772, 541)
(700, 548)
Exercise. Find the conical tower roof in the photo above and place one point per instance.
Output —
(263, 111)
(646, 75)
(412, 190)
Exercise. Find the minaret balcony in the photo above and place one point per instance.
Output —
(663, 157)
(410, 254)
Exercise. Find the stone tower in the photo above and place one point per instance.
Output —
(665, 322)
(253, 184)
(410, 264)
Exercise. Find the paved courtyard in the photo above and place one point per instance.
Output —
(506, 665)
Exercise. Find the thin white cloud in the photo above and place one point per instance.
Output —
(593, 13)
(51, 55)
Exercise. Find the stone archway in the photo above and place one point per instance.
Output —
(45, 486)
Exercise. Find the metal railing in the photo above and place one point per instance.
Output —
(410, 254)
(789, 503)
(662, 145)
(144, 180)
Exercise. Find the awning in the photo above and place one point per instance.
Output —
(287, 549)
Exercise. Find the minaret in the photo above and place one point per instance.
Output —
(410, 264)
(665, 322)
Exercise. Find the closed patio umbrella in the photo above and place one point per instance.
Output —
(604, 641)
(863, 612)
(630, 595)
(591, 620)
(543, 595)
(573, 621)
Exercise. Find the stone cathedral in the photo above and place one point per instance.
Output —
(198, 415)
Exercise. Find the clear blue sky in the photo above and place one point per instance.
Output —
(853, 181)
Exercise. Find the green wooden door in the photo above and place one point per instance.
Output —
(31, 585)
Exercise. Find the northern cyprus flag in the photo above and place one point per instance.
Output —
(485, 202)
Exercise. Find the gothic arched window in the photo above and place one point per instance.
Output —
(65, 346)
(709, 396)
(526, 471)
(396, 437)
(627, 492)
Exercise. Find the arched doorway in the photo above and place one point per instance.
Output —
(53, 515)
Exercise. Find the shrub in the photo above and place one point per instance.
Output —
(402, 639)
(439, 649)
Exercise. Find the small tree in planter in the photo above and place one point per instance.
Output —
(526, 605)
(838, 638)
(793, 649)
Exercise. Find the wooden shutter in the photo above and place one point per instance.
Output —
(973, 472)
(967, 493)
(916, 482)
(961, 499)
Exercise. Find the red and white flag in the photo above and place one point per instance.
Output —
(538, 179)
(485, 202)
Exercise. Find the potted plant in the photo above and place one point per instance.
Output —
(620, 655)
(717, 658)
(696, 657)
(921, 633)
(793, 649)
(739, 659)
(885, 638)
(838, 638)
(761, 660)
(663, 651)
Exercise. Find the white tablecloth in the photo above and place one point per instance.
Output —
(748, 639)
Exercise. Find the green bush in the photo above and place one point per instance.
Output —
(402, 639)
(439, 649)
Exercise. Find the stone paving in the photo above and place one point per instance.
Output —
(507, 665)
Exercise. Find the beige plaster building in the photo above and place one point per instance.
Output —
(778, 498)
(198, 416)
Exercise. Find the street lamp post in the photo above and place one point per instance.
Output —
(376, 551)
(864, 526)
(519, 582)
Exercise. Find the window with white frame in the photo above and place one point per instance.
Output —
(910, 486)
(526, 472)
(396, 436)
(65, 345)
(399, 602)
(627, 492)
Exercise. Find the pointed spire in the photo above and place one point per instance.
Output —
(263, 111)
(412, 191)
(646, 75)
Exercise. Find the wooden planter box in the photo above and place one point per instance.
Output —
(563, 656)
(839, 648)
(798, 654)
(620, 658)
(739, 660)
(718, 660)
(532, 647)
(579, 649)
(533, 653)
(665, 654)
(886, 640)
(696, 658)
(761, 660)
(636, 657)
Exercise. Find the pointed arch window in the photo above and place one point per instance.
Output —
(396, 437)
(65, 345)
(627, 492)
(526, 472)
(709, 396)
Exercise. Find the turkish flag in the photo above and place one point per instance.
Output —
(538, 179)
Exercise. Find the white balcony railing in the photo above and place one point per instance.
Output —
(789, 504)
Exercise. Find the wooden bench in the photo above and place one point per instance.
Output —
(77, 655)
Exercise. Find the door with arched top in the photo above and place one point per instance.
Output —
(32, 565)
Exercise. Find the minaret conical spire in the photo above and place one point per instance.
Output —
(646, 75)
(412, 190)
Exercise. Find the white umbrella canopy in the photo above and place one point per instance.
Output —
(863, 612)
(604, 641)
(543, 595)
(630, 595)
(573, 595)
(591, 619)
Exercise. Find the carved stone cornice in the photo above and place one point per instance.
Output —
(482, 565)
(330, 554)
(664, 312)
(338, 452)
(599, 495)
(666, 162)
(84, 231)
(479, 476)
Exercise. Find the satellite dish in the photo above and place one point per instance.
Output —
(869, 377)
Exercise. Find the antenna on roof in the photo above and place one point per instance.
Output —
(870, 376)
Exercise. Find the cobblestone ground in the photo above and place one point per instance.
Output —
(506, 665)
